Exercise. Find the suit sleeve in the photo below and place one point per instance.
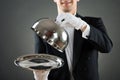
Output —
(39, 45)
(98, 36)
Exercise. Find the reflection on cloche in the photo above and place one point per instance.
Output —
(54, 35)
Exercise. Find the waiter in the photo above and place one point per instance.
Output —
(87, 37)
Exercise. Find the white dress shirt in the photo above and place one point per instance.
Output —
(69, 48)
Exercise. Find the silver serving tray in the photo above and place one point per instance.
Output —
(39, 61)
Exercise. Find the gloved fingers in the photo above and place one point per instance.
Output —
(61, 17)
(62, 20)
(58, 23)
(66, 23)
(69, 20)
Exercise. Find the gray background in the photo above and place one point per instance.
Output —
(16, 37)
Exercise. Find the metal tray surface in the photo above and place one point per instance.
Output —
(39, 61)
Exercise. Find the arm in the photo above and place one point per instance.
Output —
(40, 48)
(39, 45)
(98, 36)
(92, 29)
(41, 74)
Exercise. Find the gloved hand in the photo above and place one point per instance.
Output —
(67, 19)
(41, 74)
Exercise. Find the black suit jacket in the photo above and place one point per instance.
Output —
(85, 52)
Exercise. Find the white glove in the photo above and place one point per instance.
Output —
(41, 74)
(67, 19)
